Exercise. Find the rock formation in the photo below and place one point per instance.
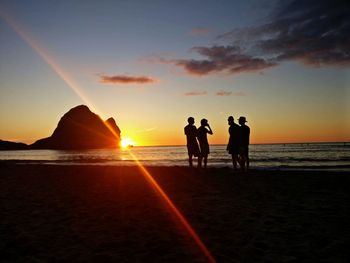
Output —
(81, 129)
(6, 145)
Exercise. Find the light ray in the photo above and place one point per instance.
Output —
(49, 59)
(173, 209)
(44, 54)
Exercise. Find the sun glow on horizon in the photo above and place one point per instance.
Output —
(126, 142)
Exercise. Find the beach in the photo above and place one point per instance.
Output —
(85, 213)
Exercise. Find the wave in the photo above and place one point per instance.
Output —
(313, 156)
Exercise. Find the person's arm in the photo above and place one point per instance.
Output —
(209, 131)
(248, 135)
(229, 140)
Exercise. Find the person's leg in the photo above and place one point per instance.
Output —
(234, 161)
(247, 155)
(242, 159)
(242, 163)
(239, 160)
(199, 161)
(190, 159)
(205, 160)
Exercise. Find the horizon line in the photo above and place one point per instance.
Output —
(220, 144)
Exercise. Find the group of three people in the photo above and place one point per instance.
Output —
(237, 145)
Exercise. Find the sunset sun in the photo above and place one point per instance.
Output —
(127, 142)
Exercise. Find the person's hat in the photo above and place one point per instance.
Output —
(230, 118)
(242, 119)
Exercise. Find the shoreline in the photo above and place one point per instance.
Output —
(341, 168)
(112, 214)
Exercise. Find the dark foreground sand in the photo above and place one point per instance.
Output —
(111, 214)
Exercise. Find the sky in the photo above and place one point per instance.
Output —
(284, 65)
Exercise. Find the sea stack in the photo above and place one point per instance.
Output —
(81, 129)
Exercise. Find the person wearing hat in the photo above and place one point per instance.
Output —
(243, 144)
(233, 142)
(192, 144)
(203, 140)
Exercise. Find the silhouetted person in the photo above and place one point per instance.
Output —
(244, 144)
(203, 140)
(192, 144)
(233, 142)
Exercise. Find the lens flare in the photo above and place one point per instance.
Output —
(44, 54)
(75, 87)
(173, 209)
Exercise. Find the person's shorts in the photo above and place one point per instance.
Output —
(244, 150)
(193, 149)
(233, 149)
(204, 149)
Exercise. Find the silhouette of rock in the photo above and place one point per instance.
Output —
(81, 129)
(6, 145)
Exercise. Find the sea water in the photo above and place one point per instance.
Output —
(330, 156)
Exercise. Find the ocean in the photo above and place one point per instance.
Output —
(305, 156)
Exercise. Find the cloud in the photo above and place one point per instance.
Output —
(228, 59)
(313, 32)
(199, 31)
(126, 79)
(195, 93)
(230, 93)
(223, 93)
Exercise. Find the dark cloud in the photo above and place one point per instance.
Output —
(223, 58)
(195, 93)
(125, 79)
(314, 32)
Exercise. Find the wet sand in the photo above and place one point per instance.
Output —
(54, 213)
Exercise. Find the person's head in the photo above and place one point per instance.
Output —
(204, 122)
(190, 120)
(242, 120)
(230, 120)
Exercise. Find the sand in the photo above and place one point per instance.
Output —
(54, 213)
